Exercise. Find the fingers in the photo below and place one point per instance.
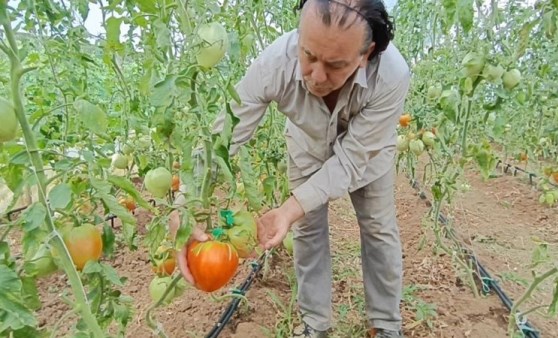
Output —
(199, 235)
(183, 266)
(275, 240)
(174, 223)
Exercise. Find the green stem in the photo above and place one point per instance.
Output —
(207, 174)
(465, 127)
(16, 72)
(527, 295)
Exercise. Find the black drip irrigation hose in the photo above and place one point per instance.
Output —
(233, 305)
(531, 175)
(487, 281)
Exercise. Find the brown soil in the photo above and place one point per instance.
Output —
(501, 218)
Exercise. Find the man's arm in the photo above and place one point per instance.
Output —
(369, 132)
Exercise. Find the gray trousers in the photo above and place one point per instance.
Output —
(381, 256)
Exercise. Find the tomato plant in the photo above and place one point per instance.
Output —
(212, 264)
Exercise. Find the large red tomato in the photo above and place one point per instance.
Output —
(211, 263)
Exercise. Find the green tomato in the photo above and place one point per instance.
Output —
(8, 127)
(157, 289)
(158, 181)
(215, 43)
(434, 92)
(416, 146)
(493, 73)
(120, 161)
(402, 143)
(243, 234)
(127, 149)
(428, 138)
(473, 64)
(511, 78)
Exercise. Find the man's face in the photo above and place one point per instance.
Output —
(328, 56)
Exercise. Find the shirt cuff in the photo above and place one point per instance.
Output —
(308, 197)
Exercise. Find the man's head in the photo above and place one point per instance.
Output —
(337, 37)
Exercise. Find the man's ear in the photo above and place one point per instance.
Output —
(366, 55)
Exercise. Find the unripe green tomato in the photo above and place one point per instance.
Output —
(158, 181)
(511, 78)
(416, 146)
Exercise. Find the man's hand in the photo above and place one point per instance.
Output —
(197, 234)
(274, 224)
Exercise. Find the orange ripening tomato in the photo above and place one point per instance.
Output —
(127, 203)
(405, 120)
(555, 176)
(211, 263)
(175, 183)
(164, 261)
(84, 243)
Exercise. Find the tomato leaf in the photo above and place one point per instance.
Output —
(523, 38)
(128, 220)
(184, 230)
(269, 186)
(108, 240)
(163, 91)
(125, 184)
(110, 274)
(30, 293)
(9, 281)
(249, 180)
(60, 196)
(233, 93)
(92, 267)
(147, 6)
(113, 30)
(540, 255)
(34, 217)
(465, 14)
(16, 315)
(91, 116)
(450, 10)
(163, 35)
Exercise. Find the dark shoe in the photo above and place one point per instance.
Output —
(305, 331)
(381, 333)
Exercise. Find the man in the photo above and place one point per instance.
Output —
(342, 86)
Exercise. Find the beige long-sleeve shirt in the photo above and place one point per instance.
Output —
(367, 112)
